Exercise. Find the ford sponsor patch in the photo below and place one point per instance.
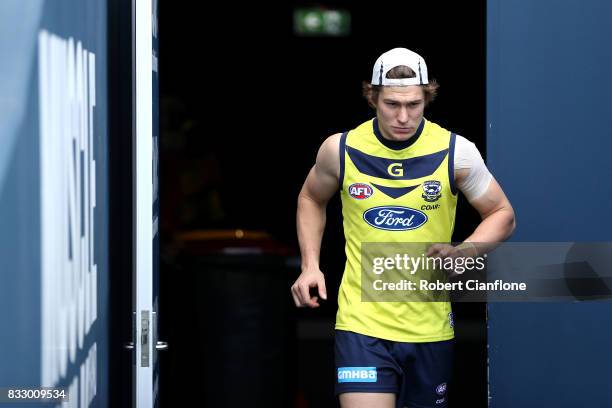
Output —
(394, 218)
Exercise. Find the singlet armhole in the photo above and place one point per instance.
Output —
(341, 150)
(451, 163)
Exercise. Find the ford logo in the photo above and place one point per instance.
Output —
(394, 218)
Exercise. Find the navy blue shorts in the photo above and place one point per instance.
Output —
(418, 373)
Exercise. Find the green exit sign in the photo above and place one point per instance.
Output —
(321, 22)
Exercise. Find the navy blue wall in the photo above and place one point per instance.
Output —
(549, 143)
(53, 316)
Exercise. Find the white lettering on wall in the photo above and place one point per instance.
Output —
(67, 79)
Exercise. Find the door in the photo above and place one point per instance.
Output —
(145, 205)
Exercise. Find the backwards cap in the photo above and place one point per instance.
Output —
(397, 57)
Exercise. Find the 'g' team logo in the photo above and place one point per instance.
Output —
(360, 191)
(432, 190)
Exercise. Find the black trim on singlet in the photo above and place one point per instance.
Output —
(451, 163)
(394, 144)
(342, 149)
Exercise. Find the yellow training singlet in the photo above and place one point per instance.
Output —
(389, 195)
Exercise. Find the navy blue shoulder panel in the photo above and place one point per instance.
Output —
(404, 169)
(451, 163)
(342, 149)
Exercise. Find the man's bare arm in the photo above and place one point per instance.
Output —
(320, 185)
(498, 223)
(498, 220)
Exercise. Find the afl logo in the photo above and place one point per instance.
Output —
(431, 190)
(360, 191)
(394, 218)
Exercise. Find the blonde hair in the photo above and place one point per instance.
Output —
(371, 92)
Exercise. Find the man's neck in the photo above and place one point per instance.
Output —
(397, 144)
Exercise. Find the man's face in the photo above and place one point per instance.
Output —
(400, 110)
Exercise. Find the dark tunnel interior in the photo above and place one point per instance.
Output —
(245, 104)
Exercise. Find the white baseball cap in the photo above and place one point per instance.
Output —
(397, 57)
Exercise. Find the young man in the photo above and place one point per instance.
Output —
(398, 175)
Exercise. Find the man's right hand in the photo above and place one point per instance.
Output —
(300, 290)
